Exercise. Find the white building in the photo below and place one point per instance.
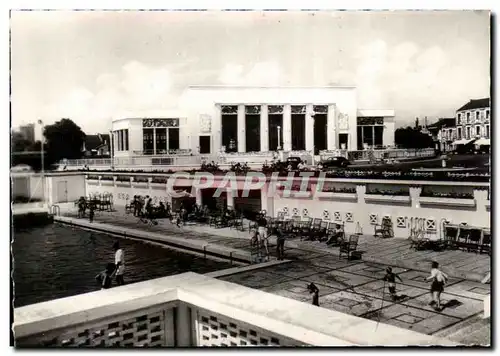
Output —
(211, 119)
(473, 123)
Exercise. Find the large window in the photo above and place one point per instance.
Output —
(229, 127)
(467, 132)
(459, 133)
(159, 136)
(370, 132)
(173, 138)
(275, 115)
(298, 128)
(478, 131)
(120, 140)
(161, 140)
(147, 141)
(252, 128)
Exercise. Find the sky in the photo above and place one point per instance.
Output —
(91, 66)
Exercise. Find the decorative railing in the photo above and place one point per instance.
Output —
(194, 310)
(478, 176)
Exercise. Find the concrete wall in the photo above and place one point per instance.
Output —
(65, 188)
(360, 207)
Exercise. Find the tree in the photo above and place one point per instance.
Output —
(409, 137)
(64, 139)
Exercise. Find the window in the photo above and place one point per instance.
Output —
(459, 133)
(459, 118)
(126, 139)
(487, 133)
(478, 131)
(467, 133)
(468, 117)
(477, 115)
(487, 114)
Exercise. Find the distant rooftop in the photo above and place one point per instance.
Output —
(476, 104)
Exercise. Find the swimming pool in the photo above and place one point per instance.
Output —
(57, 261)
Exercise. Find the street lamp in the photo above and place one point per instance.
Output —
(42, 154)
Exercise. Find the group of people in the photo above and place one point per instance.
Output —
(437, 278)
(143, 207)
(113, 270)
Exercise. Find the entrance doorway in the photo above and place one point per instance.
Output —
(62, 192)
(204, 144)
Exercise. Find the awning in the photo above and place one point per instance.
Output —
(462, 142)
(483, 142)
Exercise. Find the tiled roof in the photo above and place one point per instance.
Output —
(476, 104)
(443, 122)
(93, 142)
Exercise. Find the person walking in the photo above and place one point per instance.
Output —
(119, 264)
(438, 280)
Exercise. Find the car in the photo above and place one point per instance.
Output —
(293, 162)
(334, 162)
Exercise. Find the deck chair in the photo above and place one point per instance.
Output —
(349, 246)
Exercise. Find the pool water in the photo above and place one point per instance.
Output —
(57, 261)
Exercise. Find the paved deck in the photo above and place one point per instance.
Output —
(395, 252)
(353, 287)
(356, 288)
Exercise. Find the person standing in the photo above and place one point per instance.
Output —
(119, 264)
(280, 244)
(438, 280)
(391, 277)
(91, 212)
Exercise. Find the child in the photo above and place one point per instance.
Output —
(315, 291)
(390, 277)
(438, 279)
(91, 212)
(105, 277)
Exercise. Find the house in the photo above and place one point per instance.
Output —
(443, 133)
(473, 123)
(96, 145)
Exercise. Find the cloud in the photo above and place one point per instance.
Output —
(262, 73)
(135, 90)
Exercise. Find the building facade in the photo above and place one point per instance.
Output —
(443, 133)
(473, 123)
(28, 132)
(213, 119)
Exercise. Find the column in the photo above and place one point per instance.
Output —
(216, 129)
(230, 197)
(287, 128)
(154, 140)
(331, 136)
(199, 197)
(309, 128)
(241, 128)
(264, 129)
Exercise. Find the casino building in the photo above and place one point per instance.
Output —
(214, 119)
